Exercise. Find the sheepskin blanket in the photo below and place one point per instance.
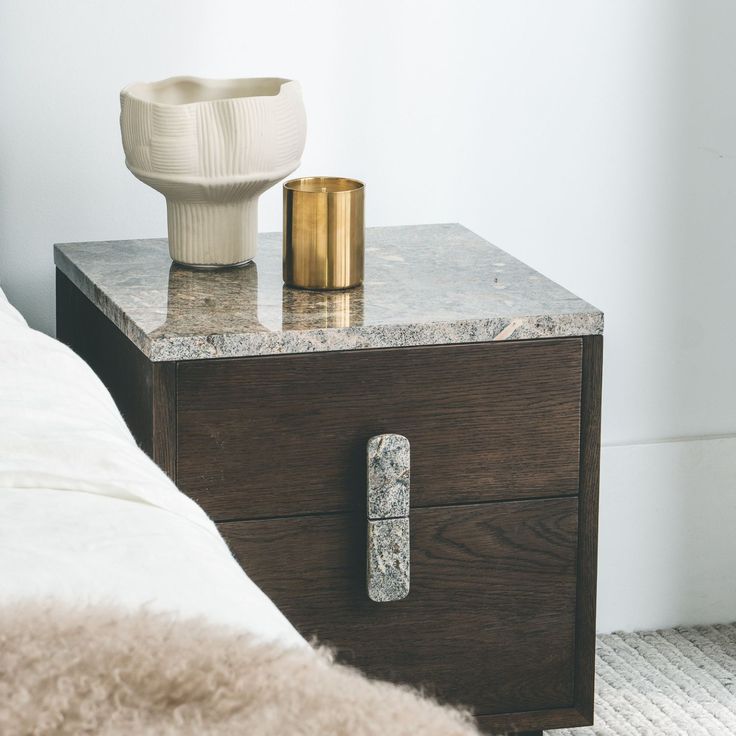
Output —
(107, 672)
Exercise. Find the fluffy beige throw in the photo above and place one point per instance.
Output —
(101, 671)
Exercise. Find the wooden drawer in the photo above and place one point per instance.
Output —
(490, 617)
(286, 435)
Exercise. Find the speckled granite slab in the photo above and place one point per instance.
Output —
(424, 285)
(388, 469)
(388, 560)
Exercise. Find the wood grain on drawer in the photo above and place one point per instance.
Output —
(286, 435)
(490, 616)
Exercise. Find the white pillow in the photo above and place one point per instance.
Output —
(7, 310)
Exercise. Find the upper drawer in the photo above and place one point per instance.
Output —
(285, 435)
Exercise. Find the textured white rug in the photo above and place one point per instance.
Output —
(671, 682)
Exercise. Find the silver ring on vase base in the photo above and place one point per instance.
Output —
(212, 147)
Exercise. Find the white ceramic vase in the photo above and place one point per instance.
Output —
(212, 147)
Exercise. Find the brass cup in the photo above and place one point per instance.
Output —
(323, 232)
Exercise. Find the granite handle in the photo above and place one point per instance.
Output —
(388, 555)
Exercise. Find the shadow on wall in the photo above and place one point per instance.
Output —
(668, 509)
(703, 489)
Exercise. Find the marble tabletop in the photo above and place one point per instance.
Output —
(424, 285)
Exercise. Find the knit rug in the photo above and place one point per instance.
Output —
(675, 681)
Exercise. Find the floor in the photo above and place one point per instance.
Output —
(670, 682)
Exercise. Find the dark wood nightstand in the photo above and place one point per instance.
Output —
(260, 401)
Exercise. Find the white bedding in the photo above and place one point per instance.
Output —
(85, 516)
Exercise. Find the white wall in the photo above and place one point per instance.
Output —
(667, 543)
(597, 141)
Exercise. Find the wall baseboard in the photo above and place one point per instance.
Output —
(667, 549)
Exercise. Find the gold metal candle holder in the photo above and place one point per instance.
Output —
(323, 232)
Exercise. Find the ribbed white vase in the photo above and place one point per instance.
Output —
(212, 147)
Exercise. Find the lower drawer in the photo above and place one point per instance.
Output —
(489, 621)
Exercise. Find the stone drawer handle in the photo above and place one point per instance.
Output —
(388, 463)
